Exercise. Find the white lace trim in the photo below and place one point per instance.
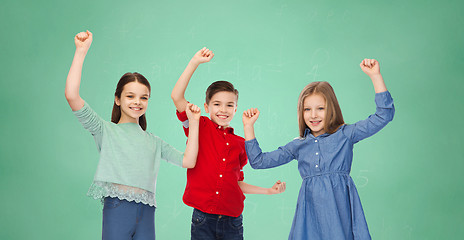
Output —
(100, 190)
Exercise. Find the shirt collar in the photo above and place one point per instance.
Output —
(221, 128)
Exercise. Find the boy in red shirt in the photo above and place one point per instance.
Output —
(215, 185)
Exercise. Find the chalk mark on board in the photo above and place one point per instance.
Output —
(235, 72)
(321, 56)
(238, 69)
(311, 15)
(275, 67)
(313, 72)
(366, 180)
(330, 14)
(345, 15)
(409, 229)
(280, 13)
(272, 119)
(175, 212)
(251, 207)
(285, 209)
(256, 73)
(192, 32)
(156, 71)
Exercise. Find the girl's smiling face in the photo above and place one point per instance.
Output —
(133, 102)
(314, 107)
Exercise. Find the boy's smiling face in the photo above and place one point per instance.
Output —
(222, 108)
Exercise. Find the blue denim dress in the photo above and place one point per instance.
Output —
(328, 204)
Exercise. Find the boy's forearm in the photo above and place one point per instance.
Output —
(191, 150)
(252, 189)
(178, 92)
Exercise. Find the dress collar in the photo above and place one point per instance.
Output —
(308, 133)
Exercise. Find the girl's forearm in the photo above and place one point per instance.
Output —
(73, 81)
(379, 84)
(249, 132)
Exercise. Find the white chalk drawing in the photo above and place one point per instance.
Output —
(409, 230)
(364, 180)
(281, 10)
(256, 74)
(175, 211)
(314, 73)
(330, 14)
(156, 72)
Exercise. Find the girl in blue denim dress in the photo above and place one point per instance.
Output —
(328, 205)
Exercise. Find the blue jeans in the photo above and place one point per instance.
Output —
(207, 226)
(123, 220)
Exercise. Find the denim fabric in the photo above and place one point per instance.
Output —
(123, 220)
(328, 206)
(207, 226)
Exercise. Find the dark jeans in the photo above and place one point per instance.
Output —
(207, 226)
(123, 220)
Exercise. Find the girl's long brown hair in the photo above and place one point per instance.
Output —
(333, 116)
(125, 79)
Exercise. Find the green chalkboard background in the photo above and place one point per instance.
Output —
(409, 176)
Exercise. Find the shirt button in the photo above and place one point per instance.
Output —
(217, 192)
(220, 175)
(224, 133)
(227, 144)
(317, 153)
(224, 159)
(315, 140)
(317, 165)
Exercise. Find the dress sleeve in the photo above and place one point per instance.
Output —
(91, 121)
(170, 154)
(260, 160)
(383, 115)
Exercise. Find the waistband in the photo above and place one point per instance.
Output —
(211, 215)
(327, 173)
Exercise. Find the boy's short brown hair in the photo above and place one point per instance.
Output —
(220, 86)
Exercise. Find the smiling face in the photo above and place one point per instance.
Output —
(314, 112)
(133, 102)
(222, 107)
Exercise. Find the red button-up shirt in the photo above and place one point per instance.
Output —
(212, 185)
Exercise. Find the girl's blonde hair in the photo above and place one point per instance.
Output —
(333, 116)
